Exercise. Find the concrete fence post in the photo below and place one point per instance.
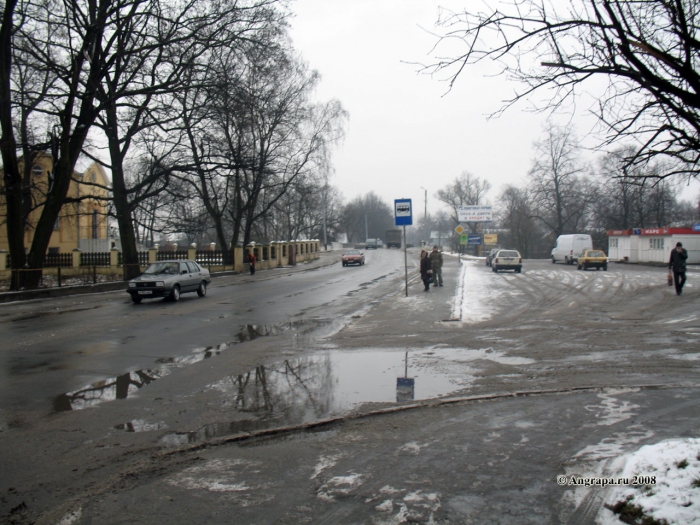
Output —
(152, 252)
(4, 254)
(113, 259)
(76, 257)
(191, 253)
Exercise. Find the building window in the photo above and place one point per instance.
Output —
(95, 225)
(613, 242)
(656, 244)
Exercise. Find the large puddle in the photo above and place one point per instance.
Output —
(122, 386)
(334, 382)
(325, 384)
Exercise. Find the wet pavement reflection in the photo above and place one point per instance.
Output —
(335, 382)
(124, 385)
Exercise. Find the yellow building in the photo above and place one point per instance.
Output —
(81, 224)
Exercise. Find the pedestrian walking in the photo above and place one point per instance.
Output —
(251, 262)
(436, 266)
(425, 270)
(677, 264)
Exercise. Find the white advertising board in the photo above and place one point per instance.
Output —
(474, 213)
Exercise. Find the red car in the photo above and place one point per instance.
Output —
(353, 257)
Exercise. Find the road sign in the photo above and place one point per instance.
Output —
(474, 239)
(403, 212)
(464, 238)
(459, 229)
(474, 213)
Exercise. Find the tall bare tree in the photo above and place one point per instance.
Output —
(559, 194)
(646, 51)
(465, 190)
(60, 43)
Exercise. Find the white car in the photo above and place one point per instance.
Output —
(507, 260)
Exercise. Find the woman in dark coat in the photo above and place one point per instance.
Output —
(425, 269)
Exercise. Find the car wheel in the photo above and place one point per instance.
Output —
(605, 268)
(519, 270)
(554, 261)
(175, 294)
(136, 299)
(494, 269)
(202, 290)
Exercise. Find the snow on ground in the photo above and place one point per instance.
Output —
(475, 294)
(673, 469)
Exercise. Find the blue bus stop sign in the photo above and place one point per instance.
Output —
(403, 212)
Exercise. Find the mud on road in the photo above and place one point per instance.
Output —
(601, 362)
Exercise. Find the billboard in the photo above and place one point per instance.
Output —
(475, 213)
(491, 238)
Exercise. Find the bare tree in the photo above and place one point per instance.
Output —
(61, 44)
(559, 195)
(367, 216)
(516, 217)
(646, 51)
(465, 190)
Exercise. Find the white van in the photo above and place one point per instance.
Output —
(569, 247)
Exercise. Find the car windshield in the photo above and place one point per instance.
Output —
(596, 254)
(352, 252)
(507, 253)
(171, 268)
(371, 240)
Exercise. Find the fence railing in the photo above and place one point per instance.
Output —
(143, 259)
(174, 255)
(101, 259)
(213, 257)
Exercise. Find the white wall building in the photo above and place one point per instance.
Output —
(642, 245)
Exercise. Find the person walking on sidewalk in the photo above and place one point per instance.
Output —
(436, 266)
(251, 262)
(425, 270)
(677, 264)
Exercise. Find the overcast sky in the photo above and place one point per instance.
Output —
(406, 132)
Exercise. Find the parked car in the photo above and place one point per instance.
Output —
(491, 255)
(169, 279)
(380, 243)
(593, 259)
(371, 244)
(569, 247)
(507, 260)
(353, 257)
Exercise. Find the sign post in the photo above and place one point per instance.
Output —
(403, 214)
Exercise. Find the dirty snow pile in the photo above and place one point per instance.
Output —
(675, 497)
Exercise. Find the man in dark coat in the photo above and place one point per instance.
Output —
(677, 264)
(425, 270)
(436, 266)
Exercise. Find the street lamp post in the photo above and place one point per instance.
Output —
(425, 218)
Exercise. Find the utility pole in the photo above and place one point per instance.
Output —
(325, 210)
(366, 230)
(425, 218)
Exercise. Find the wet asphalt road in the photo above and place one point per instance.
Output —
(54, 346)
(218, 433)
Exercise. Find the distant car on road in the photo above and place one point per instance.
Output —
(380, 243)
(371, 244)
(507, 260)
(169, 279)
(353, 257)
(491, 255)
(593, 259)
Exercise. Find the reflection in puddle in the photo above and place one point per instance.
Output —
(123, 386)
(139, 425)
(333, 383)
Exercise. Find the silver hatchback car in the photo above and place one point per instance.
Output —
(507, 260)
(169, 279)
